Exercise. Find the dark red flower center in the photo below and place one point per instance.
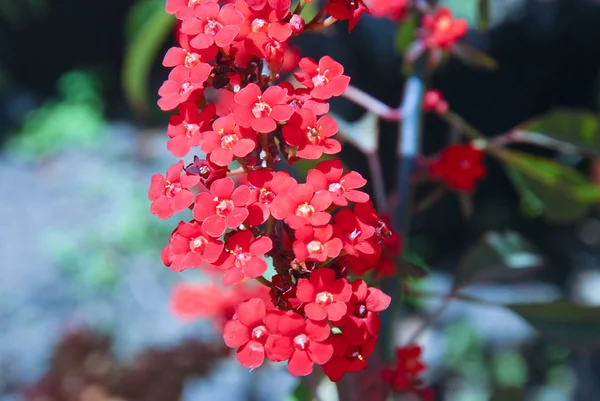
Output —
(191, 129)
(241, 257)
(172, 188)
(305, 210)
(354, 353)
(224, 207)
(360, 310)
(261, 109)
(260, 334)
(192, 60)
(197, 244)
(315, 248)
(313, 136)
(212, 27)
(296, 104)
(324, 298)
(301, 342)
(265, 196)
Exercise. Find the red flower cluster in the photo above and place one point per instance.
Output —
(442, 30)
(433, 102)
(460, 166)
(231, 107)
(404, 375)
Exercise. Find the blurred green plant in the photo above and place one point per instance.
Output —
(75, 118)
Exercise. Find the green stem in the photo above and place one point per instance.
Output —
(264, 281)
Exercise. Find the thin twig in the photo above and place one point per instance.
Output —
(372, 104)
(540, 139)
(430, 319)
(377, 180)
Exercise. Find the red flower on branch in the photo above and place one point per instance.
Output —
(248, 332)
(191, 59)
(442, 30)
(330, 175)
(171, 193)
(325, 79)
(346, 357)
(433, 101)
(211, 25)
(266, 184)
(300, 342)
(181, 85)
(243, 257)
(323, 295)
(300, 98)
(404, 376)
(362, 320)
(461, 166)
(185, 128)
(316, 243)
(223, 207)
(190, 246)
(226, 141)
(347, 10)
(302, 205)
(261, 111)
(206, 170)
(312, 137)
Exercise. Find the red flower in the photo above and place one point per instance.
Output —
(301, 206)
(182, 83)
(175, 5)
(302, 342)
(212, 25)
(243, 257)
(395, 10)
(316, 243)
(270, 44)
(461, 166)
(330, 175)
(442, 30)
(266, 184)
(190, 246)
(249, 332)
(170, 194)
(324, 297)
(362, 320)
(346, 357)
(185, 127)
(325, 79)
(403, 377)
(227, 140)
(300, 98)
(275, 4)
(223, 207)
(358, 238)
(433, 101)
(206, 170)
(177, 56)
(312, 137)
(258, 110)
(347, 10)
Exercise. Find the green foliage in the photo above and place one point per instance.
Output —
(563, 321)
(509, 369)
(576, 127)
(301, 393)
(148, 26)
(405, 34)
(559, 193)
(498, 256)
(74, 119)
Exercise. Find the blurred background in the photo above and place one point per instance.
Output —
(84, 297)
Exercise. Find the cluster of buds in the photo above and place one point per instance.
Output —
(317, 234)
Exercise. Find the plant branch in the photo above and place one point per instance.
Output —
(430, 319)
(372, 104)
(377, 180)
(539, 139)
(409, 142)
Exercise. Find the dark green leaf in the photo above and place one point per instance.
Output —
(560, 193)
(301, 393)
(405, 34)
(563, 321)
(577, 127)
(149, 31)
(498, 256)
